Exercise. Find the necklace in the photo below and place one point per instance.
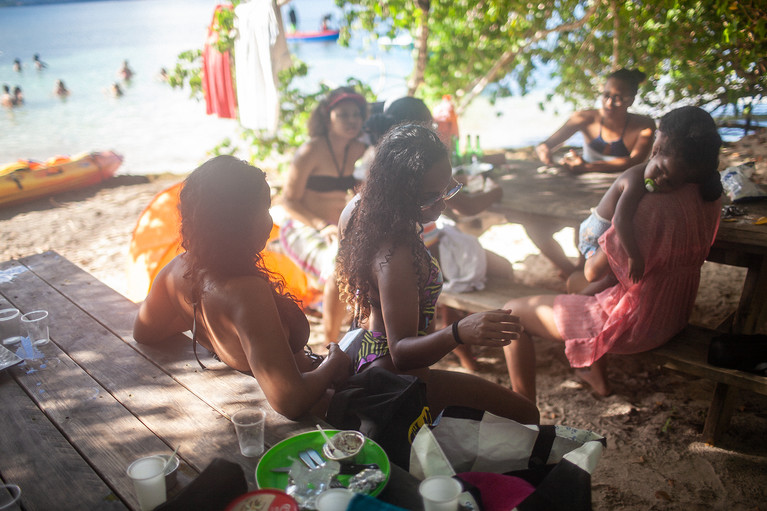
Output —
(339, 170)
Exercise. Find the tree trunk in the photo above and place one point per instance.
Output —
(422, 50)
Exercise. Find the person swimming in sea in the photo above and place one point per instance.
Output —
(39, 64)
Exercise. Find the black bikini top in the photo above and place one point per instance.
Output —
(616, 148)
(331, 183)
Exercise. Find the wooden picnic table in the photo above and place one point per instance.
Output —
(565, 200)
(70, 431)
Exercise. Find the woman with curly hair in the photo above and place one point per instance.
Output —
(388, 276)
(318, 186)
(221, 291)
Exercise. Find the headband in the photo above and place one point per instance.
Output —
(353, 96)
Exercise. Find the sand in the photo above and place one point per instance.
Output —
(653, 421)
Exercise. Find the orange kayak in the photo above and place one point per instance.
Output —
(26, 180)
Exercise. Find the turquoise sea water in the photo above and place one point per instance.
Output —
(156, 128)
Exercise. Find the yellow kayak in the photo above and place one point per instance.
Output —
(26, 180)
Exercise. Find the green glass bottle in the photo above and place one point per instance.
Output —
(457, 157)
(468, 152)
(478, 152)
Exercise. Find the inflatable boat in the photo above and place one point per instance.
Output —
(320, 35)
(26, 180)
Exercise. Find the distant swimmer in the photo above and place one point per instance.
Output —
(17, 65)
(60, 89)
(39, 64)
(163, 76)
(6, 99)
(125, 72)
(18, 96)
(115, 90)
(293, 19)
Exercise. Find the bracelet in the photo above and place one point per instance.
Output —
(456, 337)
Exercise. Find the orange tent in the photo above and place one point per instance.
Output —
(156, 241)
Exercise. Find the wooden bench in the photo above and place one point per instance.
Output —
(687, 352)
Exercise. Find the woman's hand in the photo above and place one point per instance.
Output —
(342, 364)
(636, 268)
(544, 153)
(490, 328)
(573, 163)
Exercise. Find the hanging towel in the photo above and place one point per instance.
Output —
(217, 83)
(260, 52)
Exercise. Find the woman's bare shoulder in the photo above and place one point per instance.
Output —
(585, 117)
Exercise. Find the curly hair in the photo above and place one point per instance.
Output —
(692, 136)
(388, 211)
(319, 120)
(631, 77)
(218, 226)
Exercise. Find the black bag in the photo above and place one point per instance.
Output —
(742, 352)
(386, 407)
(219, 484)
(556, 460)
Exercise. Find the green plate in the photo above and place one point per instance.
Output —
(280, 454)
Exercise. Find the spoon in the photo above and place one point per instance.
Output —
(337, 453)
(170, 458)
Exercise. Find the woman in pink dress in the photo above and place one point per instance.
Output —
(674, 231)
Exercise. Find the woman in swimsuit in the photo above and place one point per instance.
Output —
(319, 184)
(614, 140)
(220, 290)
(388, 276)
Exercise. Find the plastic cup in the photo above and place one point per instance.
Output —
(148, 475)
(440, 493)
(335, 499)
(9, 496)
(249, 425)
(36, 326)
(10, 326)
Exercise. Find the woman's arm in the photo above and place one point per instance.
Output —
(157, 317)
(577, 122)
(290, 392)
(399, 298)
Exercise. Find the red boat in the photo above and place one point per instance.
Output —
(319, 35)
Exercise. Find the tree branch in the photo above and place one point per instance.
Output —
(479, 84)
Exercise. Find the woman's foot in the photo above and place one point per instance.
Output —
(596, 379)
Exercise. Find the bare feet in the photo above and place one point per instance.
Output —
(597, 381)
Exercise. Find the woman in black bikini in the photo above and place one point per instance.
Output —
(614, 140)
(221, 291)
(318, 186)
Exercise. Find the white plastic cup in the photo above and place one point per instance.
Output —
(335, 499)
(36, 326)
(10, 326)
(249, 425)
(440, 493)
(9, 496)
(148, 475)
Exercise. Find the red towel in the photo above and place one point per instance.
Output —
(217, 84)
(499, 492)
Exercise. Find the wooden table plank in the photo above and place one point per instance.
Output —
(35, 451)
(153, 400)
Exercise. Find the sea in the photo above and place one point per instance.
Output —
(159, 129)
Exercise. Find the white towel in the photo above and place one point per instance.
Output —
(260, 52)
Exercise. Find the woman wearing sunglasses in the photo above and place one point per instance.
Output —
(613, 140)
(392, 282)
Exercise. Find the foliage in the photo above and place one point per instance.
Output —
(296, 105)
(694, 51)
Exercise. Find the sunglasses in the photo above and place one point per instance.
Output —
(617, 98)
(448, 194)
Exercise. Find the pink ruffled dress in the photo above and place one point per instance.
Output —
(675, 232)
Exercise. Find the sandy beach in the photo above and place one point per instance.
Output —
(653, 421)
